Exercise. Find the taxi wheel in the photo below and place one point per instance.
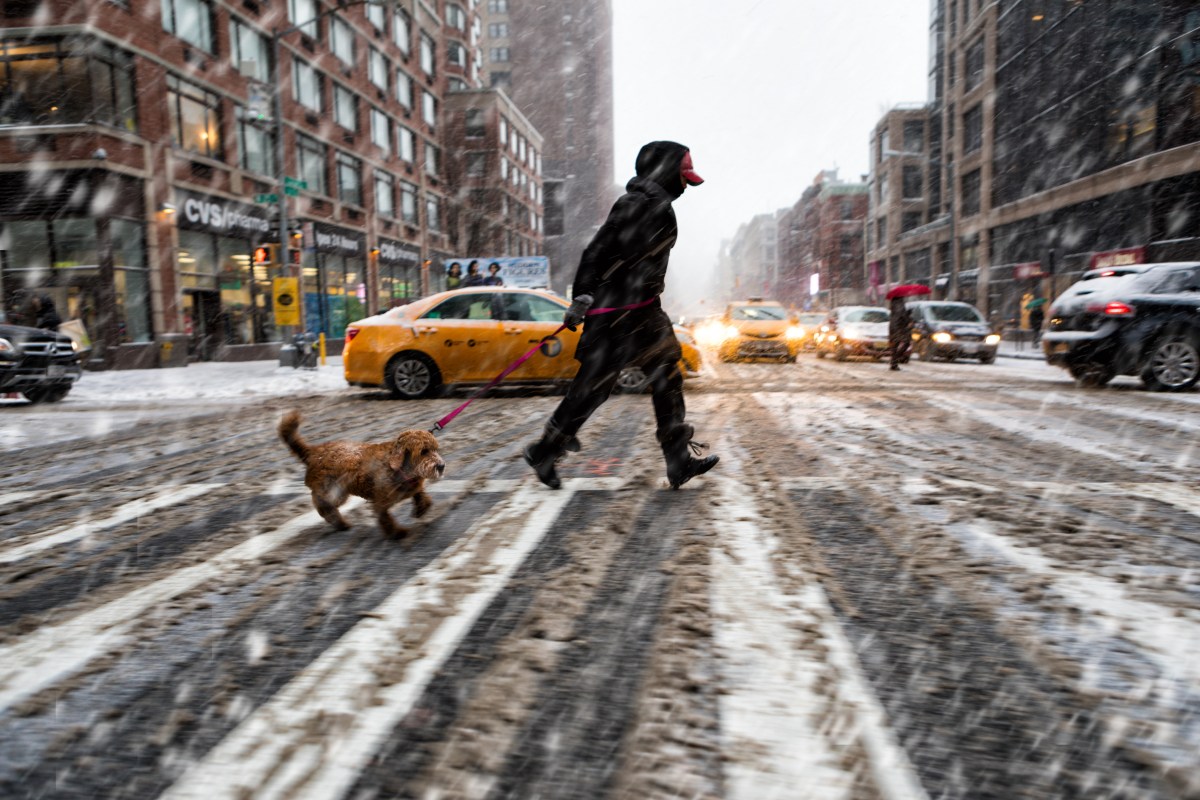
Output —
(632, 380)
(411, 376)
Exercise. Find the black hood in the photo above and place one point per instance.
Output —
(660, 162)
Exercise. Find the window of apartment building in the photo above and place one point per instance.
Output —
(402, 31)
(498, 55)
(503, 168)
(306, 85)
(973, 67)
(913, 185)
(498, 6)
(476, 123)
(846, 248)
(256, 145)
(431, 159)
(884, 197)
(433, 217)
(378, 68)
(381, 130)
(310, 161)
(377, 16)
(190, 20)
(498, 30)
(406, 144)
(429, 109)
(428, 54)
(457, 85)
(476, 165)
(522, 145)
(48, 83)
(972, 125)
(501, 80)
(882, 232)
(304, 13)
(404, 89)
(910, 220)
(345, 108)
(914, 136)
(970, 193)
(249, 51)
(341, 41)
(456, 17)
(503, 131)
(408, 202)
(349, 178)
(385, 194)
(195, 118)
(847, 208)
(456, 54)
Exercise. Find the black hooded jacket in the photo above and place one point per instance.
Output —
(626, 261)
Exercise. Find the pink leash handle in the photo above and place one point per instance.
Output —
(446, 420)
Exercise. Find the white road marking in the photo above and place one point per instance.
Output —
(14, 497)
(500, 485)
(55, 652)
(124, 513)
(274, 754)
(774, 712)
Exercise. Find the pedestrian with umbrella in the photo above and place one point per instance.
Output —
(901, 322)
(1037, 316)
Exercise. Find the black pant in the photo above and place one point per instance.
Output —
(642, 338)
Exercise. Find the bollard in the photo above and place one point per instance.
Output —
(321, 345)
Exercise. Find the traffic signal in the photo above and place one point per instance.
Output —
(266, 255)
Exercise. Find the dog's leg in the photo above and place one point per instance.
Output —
(421, 504)
(329, 512)
(387, 524)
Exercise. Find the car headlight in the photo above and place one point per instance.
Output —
(941, 337)
(6, 346)
(730, 332)
(992, 338)
(795, 332)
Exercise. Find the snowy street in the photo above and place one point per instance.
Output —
(954, 581)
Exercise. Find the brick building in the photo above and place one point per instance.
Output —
(136, 141)
(820, 245)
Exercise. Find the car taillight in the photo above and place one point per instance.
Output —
(350, 334)
(1113, 309)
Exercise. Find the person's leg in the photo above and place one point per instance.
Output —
(674, 434)
(591, 387)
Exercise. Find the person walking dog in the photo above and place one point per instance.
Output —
(621, 275)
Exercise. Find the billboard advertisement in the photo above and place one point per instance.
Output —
(525, 272)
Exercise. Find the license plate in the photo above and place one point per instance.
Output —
(969, 347)
(55, 371)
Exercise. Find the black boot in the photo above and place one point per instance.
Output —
(682, 466)
(543, 454)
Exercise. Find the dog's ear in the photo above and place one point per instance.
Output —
(403, 454)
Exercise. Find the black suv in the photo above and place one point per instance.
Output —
(42, 365)
(1138, 320)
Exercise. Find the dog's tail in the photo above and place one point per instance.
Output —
(289, 431)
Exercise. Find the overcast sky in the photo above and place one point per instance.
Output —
(765, 97)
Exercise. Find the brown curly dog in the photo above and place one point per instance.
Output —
(385, 473)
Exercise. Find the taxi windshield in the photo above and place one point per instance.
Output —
(759, 312)
(867, 315)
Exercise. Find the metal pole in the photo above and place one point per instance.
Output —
(280, 172)
(952, 294)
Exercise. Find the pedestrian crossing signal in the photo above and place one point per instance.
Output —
(266, 255)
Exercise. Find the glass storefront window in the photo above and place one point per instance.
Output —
(133, 304)
(196, 260)
(75, 243)
(26, 246)
(66, 81)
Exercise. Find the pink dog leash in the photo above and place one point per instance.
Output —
(446, 420)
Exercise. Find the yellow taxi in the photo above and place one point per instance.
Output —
(756, 328)
(468, 336)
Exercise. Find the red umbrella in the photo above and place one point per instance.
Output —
(907, 290)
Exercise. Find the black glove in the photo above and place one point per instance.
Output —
(578, 310)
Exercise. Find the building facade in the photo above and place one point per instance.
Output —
(142, 168)
(1061, 135)
(820, 245)
(555, 61)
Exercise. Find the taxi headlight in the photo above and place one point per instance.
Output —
(730, 332)
(941, 337)
(992, 338)
(795, 332)
(6, 346)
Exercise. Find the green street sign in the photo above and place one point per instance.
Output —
(294, 183)
(291, 191)
(266, 198)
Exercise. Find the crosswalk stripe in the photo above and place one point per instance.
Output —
(15, 497)
(272, 754)
(771, 703)
(55, 652)
(124, 513)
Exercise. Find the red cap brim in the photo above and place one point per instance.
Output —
(691, 177)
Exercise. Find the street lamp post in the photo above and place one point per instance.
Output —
(952, 291)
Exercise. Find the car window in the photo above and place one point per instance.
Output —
(1178, 281)
(531, 308)
(951, 312)
(464, 306)
(812, 319)
(866, 315)
(759, 312)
